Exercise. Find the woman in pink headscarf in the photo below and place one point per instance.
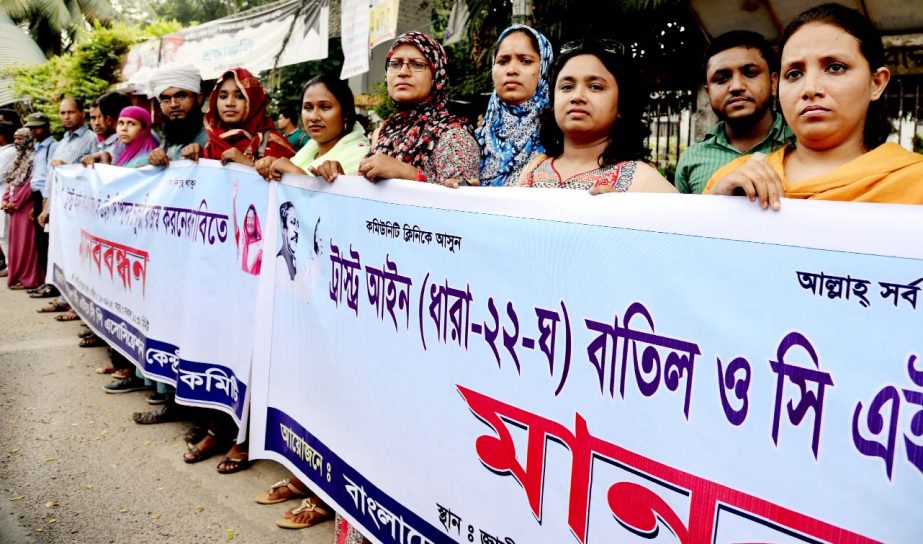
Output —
(134, 131)
(250, 239)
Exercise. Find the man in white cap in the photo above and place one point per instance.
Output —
(178, 89)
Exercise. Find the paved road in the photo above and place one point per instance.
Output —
(74, 468)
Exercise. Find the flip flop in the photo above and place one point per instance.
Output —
(263, 498)
(233, 464)
(67, 316)
(194, 455)
(91, 342)
(17, 287)
(106, 369)
(320, 514)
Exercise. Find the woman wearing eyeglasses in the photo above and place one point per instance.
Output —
(422, 141)
(592, 130)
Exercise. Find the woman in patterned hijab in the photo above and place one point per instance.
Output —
(422, 140)
(509, 136)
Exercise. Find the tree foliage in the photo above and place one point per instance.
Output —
(53, 24)
(87, 71)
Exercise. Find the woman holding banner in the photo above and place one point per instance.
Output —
(134, 131)
(832, 96)
(509, 138)
(593, 130)
(337, 141)
(421, 141)
(239, 128)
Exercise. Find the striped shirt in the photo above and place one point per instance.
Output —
(706, 156)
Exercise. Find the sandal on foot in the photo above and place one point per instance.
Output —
(17, 287)
(169, 412)
(196, 454)
(91, 342)
(47, 292)
(67, 316)
(291, 492)
(317, 512)
(234, 463)
(105, 369)
(54, 306)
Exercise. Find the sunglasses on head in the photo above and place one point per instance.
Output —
(614, 47)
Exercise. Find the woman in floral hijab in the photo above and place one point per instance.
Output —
(422, 140)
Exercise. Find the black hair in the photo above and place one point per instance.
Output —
(741, 38)
(290, 111)
(528, 34)
(11, 116)
(78, 102)
(627, 134)
(344, 95)
(7, 130)
(284, 211)
(112, 104)
(877, 121)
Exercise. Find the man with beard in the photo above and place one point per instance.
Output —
(178, 89)
(740, 78)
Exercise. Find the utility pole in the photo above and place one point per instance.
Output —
(522, 11)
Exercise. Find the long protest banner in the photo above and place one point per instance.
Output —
(163, 264)
(531, 366)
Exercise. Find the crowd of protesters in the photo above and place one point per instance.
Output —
(809, 122)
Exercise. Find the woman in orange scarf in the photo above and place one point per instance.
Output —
(832, 96)
(238, 126)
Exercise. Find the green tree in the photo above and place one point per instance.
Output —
(91, 67)
(53, 24)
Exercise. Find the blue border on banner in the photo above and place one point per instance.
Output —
(158, 359)
(379, 514)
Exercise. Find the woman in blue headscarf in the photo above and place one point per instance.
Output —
(509, 136)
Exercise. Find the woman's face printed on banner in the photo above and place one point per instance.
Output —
(250, 222)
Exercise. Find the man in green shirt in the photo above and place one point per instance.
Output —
(288, 125)
(740, 78)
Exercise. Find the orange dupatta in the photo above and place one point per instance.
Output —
(887, 174)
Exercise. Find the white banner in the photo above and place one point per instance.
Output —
(277, 35)
(354, 29)
(163, 265)
(532, 366)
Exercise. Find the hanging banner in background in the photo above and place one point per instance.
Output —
(509, 365)
(163, 265)
(292, 32)
(383, 21)
(354, 29)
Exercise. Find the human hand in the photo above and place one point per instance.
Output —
(264, 167)
(381, 166)
(329, 170)
(43, 219)
(158, 157)
(88, 160)
(756, 179)
(235, 155)
(192, 151)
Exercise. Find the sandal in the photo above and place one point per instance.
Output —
(91, 342)
(106, 369)
(196, 453)
(67, 316)
(313, 509)
(17, 287)
(46, 292)
(54, 306)
(234, 461)
(286, 484)
(123, 373)
(85, 333)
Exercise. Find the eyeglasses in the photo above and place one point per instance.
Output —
(414, 65)
(614, 47)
